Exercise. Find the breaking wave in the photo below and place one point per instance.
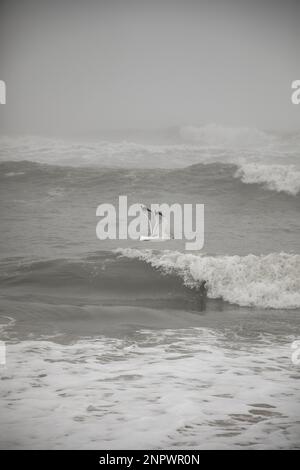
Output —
(280, 178)
(267, 281)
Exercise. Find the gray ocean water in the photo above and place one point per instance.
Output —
(109, 343)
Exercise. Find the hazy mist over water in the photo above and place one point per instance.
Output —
(121, 344)
(77, 67)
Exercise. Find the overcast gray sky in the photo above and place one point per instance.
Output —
(73, 65)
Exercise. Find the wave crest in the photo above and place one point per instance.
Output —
(280, 178)
(267, 281)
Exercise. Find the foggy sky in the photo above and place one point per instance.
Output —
(76, 66)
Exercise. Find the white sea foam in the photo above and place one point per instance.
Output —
(267, 281)
(161, 389)
(280, 178)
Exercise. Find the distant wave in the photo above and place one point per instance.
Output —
(273, 177)
(97, 153)
(210, 143)
(263, 158)
(280, 178)
(267, 281)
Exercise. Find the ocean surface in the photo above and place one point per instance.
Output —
(111, 344)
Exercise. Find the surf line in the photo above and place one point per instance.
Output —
(159, 222)
(2, 92)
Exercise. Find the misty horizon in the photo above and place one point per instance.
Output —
(99, 66)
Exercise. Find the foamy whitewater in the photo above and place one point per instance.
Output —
(262, 281)
(117, 344)
(285, 178)
(89, 395)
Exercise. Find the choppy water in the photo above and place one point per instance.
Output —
(104, 338)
